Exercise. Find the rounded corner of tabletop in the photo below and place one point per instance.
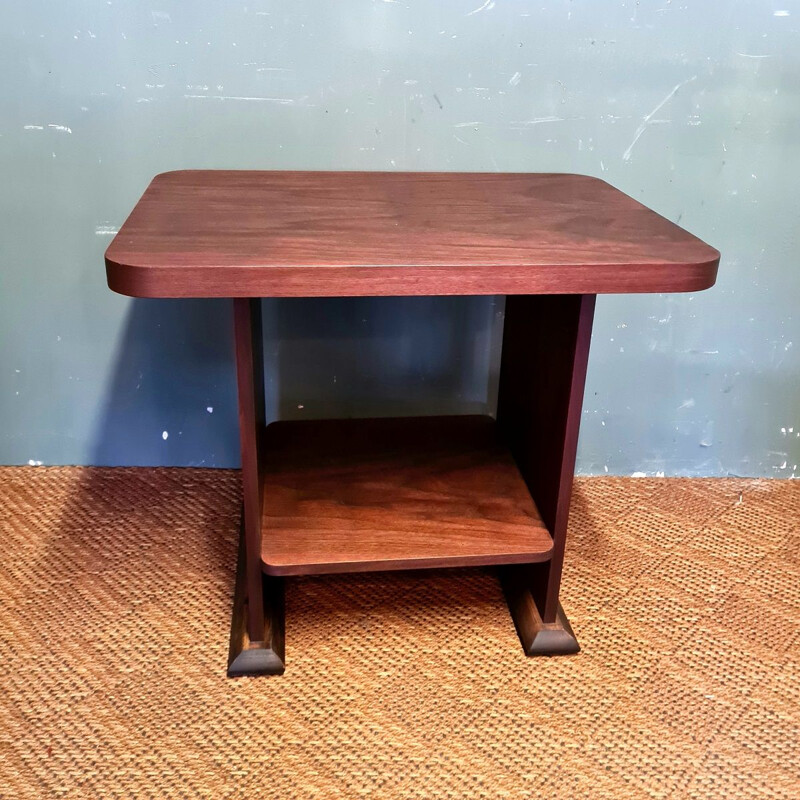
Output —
(246, 233)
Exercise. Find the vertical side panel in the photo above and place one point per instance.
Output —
(542, 375)
(250, 380)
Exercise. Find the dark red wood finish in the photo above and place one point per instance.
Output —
(356, 495)
(257, 624)
(543, 369)
(250, 378)
(302, 234)
(381, 495)
(265, 655)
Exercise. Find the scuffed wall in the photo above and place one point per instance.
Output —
(693, 110)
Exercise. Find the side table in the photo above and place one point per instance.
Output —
(328, 496)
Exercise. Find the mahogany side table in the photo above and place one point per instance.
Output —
(409, 493)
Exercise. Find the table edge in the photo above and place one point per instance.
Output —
(378, 280)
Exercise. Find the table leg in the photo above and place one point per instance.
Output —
(257, 625)
(543, 369)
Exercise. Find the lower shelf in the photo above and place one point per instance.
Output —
(381, 494)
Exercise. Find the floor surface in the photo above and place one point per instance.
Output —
(115, 596)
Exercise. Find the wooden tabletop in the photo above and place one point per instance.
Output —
(203, 233)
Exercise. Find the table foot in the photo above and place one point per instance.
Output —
(538, 638)
(266, 655)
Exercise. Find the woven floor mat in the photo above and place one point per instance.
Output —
(115, 598)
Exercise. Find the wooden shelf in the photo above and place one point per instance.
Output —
(408, 493)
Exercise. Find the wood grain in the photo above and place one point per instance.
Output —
(302, 234)
(264, 655)
(378, 494)
(542, 373)
(250, 383)
(538, 638)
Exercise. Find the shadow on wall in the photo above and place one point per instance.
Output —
(171, 400)
(377, 356)
(172, 397)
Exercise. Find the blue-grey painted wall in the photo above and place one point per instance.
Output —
(691, 108)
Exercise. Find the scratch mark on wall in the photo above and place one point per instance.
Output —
(61, 128)
(467, 124)
(646, 121)
(515, 79)
(105, 230)
(34, 127)
(284, 101)
(487, 6)
(538, 121)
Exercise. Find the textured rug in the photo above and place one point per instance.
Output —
(115, 597)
